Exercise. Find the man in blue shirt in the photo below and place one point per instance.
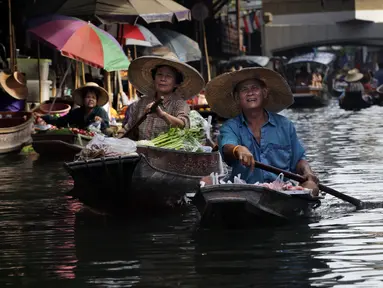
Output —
(251, 97)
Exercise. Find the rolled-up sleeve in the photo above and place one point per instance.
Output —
(182, 111)
(133, 110)
(227, 135)
(298, 151)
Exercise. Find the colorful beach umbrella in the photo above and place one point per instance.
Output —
(186, 49)
(81, 41)
(138, 35)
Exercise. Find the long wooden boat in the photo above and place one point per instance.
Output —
(58, 145)
(15, 131)
(244, 205)
(153, 180)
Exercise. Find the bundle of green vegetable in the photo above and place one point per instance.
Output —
(178, 139)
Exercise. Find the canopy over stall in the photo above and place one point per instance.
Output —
(116, 11)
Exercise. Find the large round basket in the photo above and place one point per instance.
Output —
(58, 108)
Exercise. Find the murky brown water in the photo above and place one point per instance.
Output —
(47, 241)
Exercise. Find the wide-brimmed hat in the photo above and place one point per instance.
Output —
(353, 75)
(140, 75)
(380, 89)
(219, 91)
(14, 84)
(78, 94)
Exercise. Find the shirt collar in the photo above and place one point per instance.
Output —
(270, 116)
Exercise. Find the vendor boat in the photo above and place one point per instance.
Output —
(152, 179)
(63, 146)
(305, 94)
(354, 101)
(244, 205)
(15, 131)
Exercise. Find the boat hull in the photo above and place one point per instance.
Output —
(15, 132)
(238, 206)
(310, 98)
(353, 101)
(156, 180)
(56, 146)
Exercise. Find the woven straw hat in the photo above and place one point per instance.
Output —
(353, 75)
(14, 84)
(140, 74)
(219, 91)
(78, 95)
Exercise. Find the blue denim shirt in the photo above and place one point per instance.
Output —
(279, 146)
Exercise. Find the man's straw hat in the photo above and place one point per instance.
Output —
(219, 91)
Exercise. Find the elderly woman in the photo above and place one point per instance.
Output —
(252, 98)
(90, 98)
(167, 77)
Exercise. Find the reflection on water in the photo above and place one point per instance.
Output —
(47, 239)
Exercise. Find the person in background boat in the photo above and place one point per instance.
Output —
(317, 79)
(379, 74)
(161, 76)
(13, 93)
(303, 78)
(251, 99)
(90, 98)
(353, 79)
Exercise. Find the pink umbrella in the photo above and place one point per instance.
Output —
(138, 35)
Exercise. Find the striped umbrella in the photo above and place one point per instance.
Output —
(186, 49)
(80, 40)
(138, 35)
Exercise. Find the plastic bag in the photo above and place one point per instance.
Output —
(197, 121)
(112, 145)
(95, 127)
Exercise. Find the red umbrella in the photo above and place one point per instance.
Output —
(138, 35)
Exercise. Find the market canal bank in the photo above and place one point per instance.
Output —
(48, 239)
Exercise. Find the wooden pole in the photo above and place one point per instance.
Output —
(83, 73)
(238, 9)
(39, 72)
(11, 52)
(206, 51)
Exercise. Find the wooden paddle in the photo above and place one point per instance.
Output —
(143, 117)
(356, 202)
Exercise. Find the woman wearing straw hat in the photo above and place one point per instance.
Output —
(15, 92)
(353, 78)
(162, 76)
(252, 97)
(90, 98)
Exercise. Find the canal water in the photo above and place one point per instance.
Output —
(49, 240)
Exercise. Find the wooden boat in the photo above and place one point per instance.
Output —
(243, 205)
(58, 145)
(15, 131)
(354, 101)
(155, 179)
(307, 95)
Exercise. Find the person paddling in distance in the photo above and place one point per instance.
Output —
(250, 99)
(161, 76)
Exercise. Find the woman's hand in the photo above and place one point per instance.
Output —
(160, 113)
(244, 156)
